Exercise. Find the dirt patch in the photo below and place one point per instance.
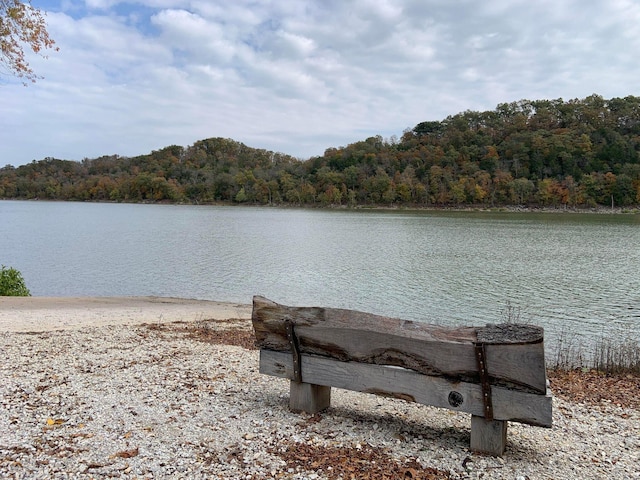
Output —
(233, 331)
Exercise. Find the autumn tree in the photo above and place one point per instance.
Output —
(580, 153)
(21, 25)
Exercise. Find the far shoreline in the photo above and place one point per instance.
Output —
(599, 210)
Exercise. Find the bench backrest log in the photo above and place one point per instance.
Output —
(496, 373)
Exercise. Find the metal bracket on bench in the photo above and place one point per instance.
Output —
(481, 360)
(295, 350)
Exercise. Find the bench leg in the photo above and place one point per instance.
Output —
(307, 397)
(488, 436)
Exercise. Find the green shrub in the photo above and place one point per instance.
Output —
(12, 283)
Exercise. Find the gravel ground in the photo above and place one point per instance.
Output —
(155, 401)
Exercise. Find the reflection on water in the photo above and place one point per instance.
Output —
(580, 273)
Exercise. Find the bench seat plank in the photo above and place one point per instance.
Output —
(508, 404)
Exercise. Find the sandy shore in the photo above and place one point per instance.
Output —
(41, 314)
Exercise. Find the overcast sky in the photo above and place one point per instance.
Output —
(299, 76)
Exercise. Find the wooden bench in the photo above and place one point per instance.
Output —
(496, 373)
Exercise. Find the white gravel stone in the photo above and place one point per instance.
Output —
(134, 402)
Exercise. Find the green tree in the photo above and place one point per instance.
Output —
(12, 284)
(523, 189)
(439, 180)
(241, 196)
(377, 186)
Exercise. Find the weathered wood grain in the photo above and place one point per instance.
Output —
(308, 397)
(391, 381)
(514, 353)
(488, 436)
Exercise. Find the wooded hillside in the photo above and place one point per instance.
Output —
(578, 153)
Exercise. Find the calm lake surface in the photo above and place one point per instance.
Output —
(573, 273)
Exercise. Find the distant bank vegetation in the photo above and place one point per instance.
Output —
(543, 153)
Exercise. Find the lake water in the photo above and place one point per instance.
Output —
(572, 273)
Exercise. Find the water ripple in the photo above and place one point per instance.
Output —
(579, 273)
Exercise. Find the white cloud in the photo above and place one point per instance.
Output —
(293, 45)
(300, 77)
(185, 31)
(100, 4)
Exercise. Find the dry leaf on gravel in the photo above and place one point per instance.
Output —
(365, 462)
(127, 453)
(212, 331)
(593, 388)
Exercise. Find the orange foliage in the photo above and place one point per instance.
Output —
(21, 24)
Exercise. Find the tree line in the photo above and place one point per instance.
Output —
(577, 153)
